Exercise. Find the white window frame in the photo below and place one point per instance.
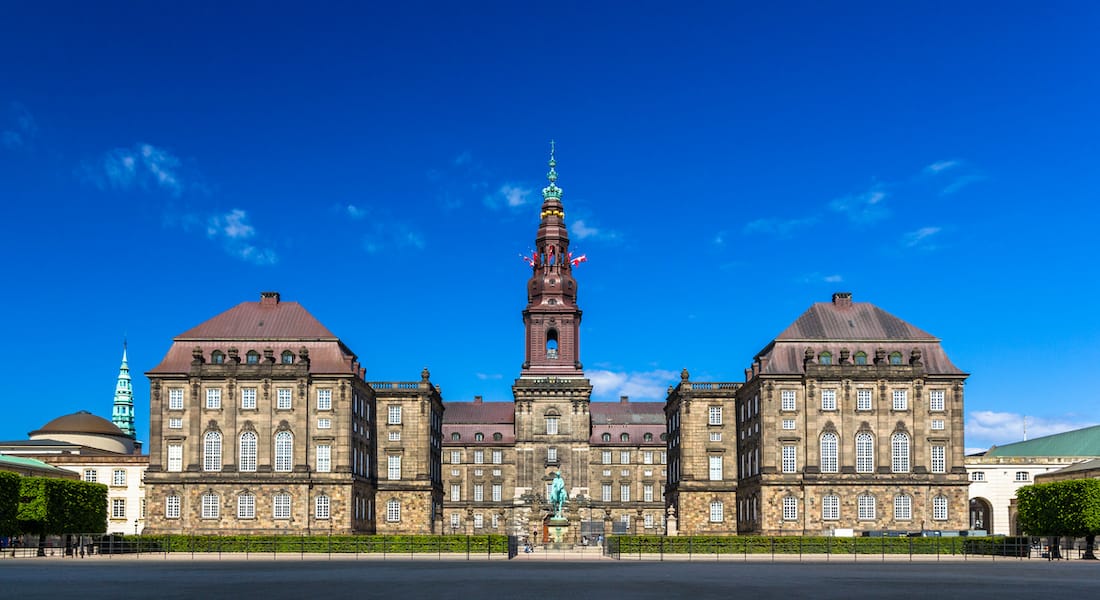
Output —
(1023, 476)
(624, 492)
(246, 506)
(456, 457)
(977, 476)
(937, 400)
(939, 508)
(788, 424)
(211, 506)
(901, 400)
(864, 399)
(867, 505)
(865, 452)
(324, 458)
(830, 450)
(175, 423)
(393, 467)
(715, 467)
(828, 399)
(790, 508)
(280, 506)
(118, 508)
(172, 507)
(939, 458)
(899, 452)
(552, 425)
(393, 511)
(479, 457)
(212, 451)
(284, 398)
(284, 452)
(497, 492)
(479, 492)
(247, 449)
(717, 511)
(213, 398)
(938, 425)
(714, 415)
(175, 398)
(479, 521)
(322, 507)
(903, 507)
(393, 415)
(788, 400)
(456, 492)
(830, 508)
(324, 399)
(624, 457)
(790, 458)
(248, 398)
(325, 423)
(605, 492)
(175, 458)
(647, 492)
(118, 477)
(605, 457)
(551, 454)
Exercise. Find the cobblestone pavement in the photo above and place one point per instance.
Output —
(257, 577)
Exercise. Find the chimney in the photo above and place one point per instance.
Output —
(269, 298)
(477, 399)
(624, 399)
(842, 298)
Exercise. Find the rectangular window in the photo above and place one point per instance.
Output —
(552, 455)
(394, 436)
(866, 508)
(393, 511)
(939, 459)
(714, 415)
(454, 521)
(214, 399)
(863, 399)
(937, 424)
(118, 477)
(624, 492)
(903, 508)
(624, 458)
(324, 458)
(939, 508)
(118, 508)
(977, 476)
(456, 457)
(790, 462)
(324, 399)
(90, 475)
(605, 457)
(605, 492)
(282, 398)
(498, 457)
(497, 492)
(647, 458)
(246, 506)
(647, 521)
(321, 507)
(280, 506)
(790, 508)
(828, 399)
(788, 424)
(716, 436)
(210, 507)
(830, 508)
(175, 458)
(787, 400)
(479, 492)
(935, 400)
(715, 468)
(393, 464)
(172, 507)
(647, 492)
(175, 399)
(901, 400)
(717, 510)
(248, 398)
(479, 457)
(324, 423)
(551, 425)
(479, 521)
(393, 416)
(456, 492)
(175, 423)
(1022, 476)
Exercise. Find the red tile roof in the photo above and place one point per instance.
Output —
(479, 412)
(628, 413)
(467, 431)
(261, 320)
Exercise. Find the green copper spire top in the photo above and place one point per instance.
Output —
(552, 190)
(123, 414)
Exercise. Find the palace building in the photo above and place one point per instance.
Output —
(848, 421)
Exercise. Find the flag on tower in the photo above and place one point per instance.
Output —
(579, 259)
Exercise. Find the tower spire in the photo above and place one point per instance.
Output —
(123, 413)
(552, 190)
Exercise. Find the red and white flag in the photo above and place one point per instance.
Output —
(579, 260)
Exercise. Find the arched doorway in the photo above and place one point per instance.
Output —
(981, 514)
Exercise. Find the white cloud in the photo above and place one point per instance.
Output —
(960, 183)
(819, 278)
(832, 279)
(863, 208)
(985, 428)
(489, 376)
(355, 212)
(234, 232)
(20, 127)
(941, 166)
(647, 385)
(392, 235)
(921, 237)
(514, 196)
(778, 227)
(462, 159)
(142, 165)
(582, 230)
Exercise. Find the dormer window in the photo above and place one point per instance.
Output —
(552, 343)
(647, 437)
(479, 437)
(606, 437)
(861, 358)
(217, 358)
(252, 358)
(895, 358)
(455, 437)
(825, 358)
(625, 437)
(288, 357)
(497, 437)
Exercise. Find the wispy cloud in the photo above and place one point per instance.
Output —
(960, 183)
(921, 238)
(863, 208)
(355, 212)
(462, 159)
(985, 428)
(140, 166)
(489, 376)
(389, 236)
(779, 227)
(647, 385)
(235, 233)
(819, 278)
(941, 166)
(514, 196)
(19, 127)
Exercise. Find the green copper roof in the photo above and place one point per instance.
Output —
(552, 190)
(123, 413)
(1079, 442)
(22, 461)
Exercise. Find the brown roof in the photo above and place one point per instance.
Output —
(479, 412)
(857, 327)
(467, 432)
(263, 320)
(324, 357)
(636, 434)
(80, 422)
(623, 413)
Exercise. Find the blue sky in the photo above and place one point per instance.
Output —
(725, 165)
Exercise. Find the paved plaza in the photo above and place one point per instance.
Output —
(345, 577)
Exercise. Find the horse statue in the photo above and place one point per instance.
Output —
(558, 495)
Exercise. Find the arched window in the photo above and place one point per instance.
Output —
(252, 358)
(865, 453)
(393, 511)
(648, 437)
(246, 506)
(551, 343)
(497, 437)
(899, 451)
(830, 508)
(217, 357)
(825, 358)
(455, 437)
(479, 437)
(247, 453)
(664, 437)
(212, 451)
(895, 358)
(624, 437)
(829, 452)
(939, 508)
(866, 503)
(288, 357)
(606, 437)
(284, 449)
(861, 358)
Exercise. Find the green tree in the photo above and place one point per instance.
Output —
(9, 503)
(1062, 508)
(59, 506)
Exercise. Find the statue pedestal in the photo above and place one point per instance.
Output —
(558, 530)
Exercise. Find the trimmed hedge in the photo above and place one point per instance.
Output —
(57, 506)
(653, 544)
(9, 503)
(320, 544)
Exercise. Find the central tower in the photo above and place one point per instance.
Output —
(552, 319)
(552, 394)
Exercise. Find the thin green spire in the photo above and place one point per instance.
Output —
(552, 190)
